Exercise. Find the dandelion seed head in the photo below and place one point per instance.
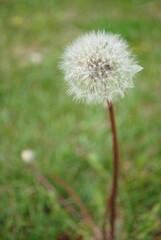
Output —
(28, 155)
(98, 66)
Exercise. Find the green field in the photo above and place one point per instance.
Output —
(71, 139)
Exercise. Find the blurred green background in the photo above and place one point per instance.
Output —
(74, 140)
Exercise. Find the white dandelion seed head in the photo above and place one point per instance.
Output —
(28, 155)
(98, 66)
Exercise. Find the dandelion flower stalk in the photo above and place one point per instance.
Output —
(111, 202)
(99, 67)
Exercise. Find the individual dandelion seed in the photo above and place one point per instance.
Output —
(98, 66)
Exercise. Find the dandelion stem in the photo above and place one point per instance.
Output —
(69, 208)
(111, 202)
(44, 181)
(77, 200)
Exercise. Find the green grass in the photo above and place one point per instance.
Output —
(74, 140)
